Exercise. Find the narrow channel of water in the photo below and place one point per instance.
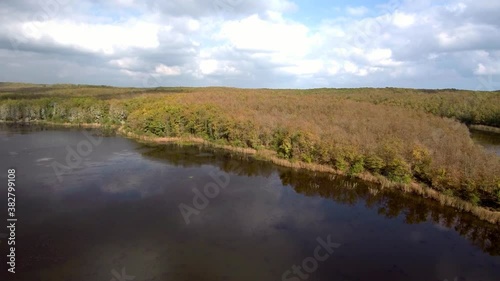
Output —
(490, 140)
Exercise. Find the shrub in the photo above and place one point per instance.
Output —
(285, 148)
(357, 167)
(448, 192)
(341, 164)
(374, 163)
(421, 163)
(474, 198)
(154, 127)
(398, 171)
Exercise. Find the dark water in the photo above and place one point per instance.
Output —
(115, 216)
(489, 140)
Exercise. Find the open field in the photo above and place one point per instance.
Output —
(403, 135)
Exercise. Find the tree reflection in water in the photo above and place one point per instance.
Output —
(343, 190)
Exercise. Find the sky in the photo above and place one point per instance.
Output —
(252, 43)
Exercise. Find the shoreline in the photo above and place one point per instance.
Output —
(485, 128)
(417, 188)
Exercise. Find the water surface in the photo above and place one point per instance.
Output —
(117, 212)
(489, 140)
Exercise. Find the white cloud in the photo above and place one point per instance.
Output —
(492, 69)
(219, 67)
(276, 35)
(304, 67)
(350, 67)
(168, 71)
(457, 8)
(125, 62)
(381, 57)
(208, 66)
(403, 20)
(99, 38)
(357, 11)
(333, 68)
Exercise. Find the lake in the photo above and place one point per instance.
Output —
(95, 208)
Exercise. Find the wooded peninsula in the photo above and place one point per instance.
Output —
(414, 139)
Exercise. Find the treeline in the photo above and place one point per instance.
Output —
(77, 110)
(470, 107)
(346, 131)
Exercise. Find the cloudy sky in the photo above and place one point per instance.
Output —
(253, 43)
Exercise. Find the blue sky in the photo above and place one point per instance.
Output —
(313, 12)
(252, 44)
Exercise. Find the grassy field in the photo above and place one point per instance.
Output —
(403, 135)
